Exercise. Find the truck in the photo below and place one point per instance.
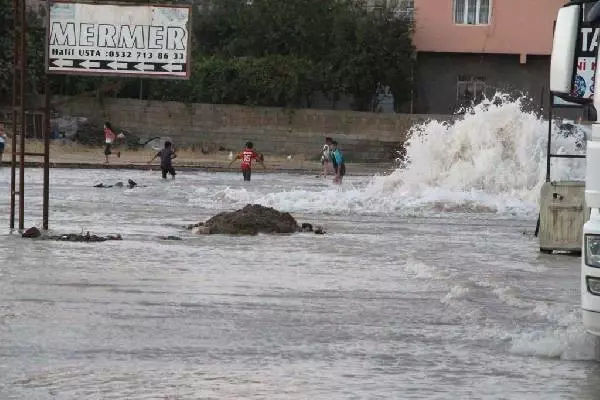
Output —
(565, 83)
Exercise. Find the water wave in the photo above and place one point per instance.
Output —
(490, 160)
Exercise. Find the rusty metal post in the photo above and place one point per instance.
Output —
(15, 102)
(19, 124)
(23, 67)
(18, 120)
(47, 132)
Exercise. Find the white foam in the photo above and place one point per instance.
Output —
(492, 160)
(571, 343)
(421, 271)
(510, 296)
(565, 338)
(457, 292)
(495, 156)
(558, 313)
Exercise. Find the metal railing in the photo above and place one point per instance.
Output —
(549, 154)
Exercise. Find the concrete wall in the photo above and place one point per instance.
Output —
(364, 137)
(437, 77)
(438, 73)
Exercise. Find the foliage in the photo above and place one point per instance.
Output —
(345, 49)
(6, 51)
(267, 53)
(266, 81)
(35, 51)
(36, 37)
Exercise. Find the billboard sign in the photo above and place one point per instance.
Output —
(127, 40)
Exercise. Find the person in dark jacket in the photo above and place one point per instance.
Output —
(167, 154)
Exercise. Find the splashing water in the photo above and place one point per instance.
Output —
(492, 159)
(497, 148)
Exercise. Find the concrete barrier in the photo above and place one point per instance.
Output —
(563, 213)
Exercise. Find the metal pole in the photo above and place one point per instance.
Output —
(46, 153)
(15, 94)
(13, 163)
(550, 105)
(23, 46)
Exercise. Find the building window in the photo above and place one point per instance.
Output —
(469, 90)
(472, 12)
(405, 9)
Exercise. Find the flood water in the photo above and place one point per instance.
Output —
(413, 304)
(427, 285)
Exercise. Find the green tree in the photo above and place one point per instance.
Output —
(268, 53)
(334, 47)
(35, 51)
(396, 55)
(6, 50)
(370, 50)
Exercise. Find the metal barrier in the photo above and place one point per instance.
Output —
(555, 102)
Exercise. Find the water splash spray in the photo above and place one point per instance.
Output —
(491, 159)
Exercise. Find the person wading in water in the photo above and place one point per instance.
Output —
(247, 155)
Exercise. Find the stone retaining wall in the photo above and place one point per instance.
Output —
(363, 137)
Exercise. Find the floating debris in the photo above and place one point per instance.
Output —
(34, 233)
(76, 237)
(169, 238)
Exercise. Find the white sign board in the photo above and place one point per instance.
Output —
(130, 40)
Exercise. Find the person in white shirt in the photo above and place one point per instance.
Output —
(326, 156)
(110, 138)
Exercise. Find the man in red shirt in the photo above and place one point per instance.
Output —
(109, 138)
(247, 155)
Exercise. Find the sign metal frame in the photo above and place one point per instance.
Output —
(107, 73)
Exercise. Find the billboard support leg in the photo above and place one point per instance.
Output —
(47, 132)
(18, 111)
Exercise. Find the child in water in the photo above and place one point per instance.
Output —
(167, 154)
(326, 157)
(338, 162)
(247, 155)
(109, 138)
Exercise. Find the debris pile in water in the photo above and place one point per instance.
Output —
(251, 220)
(33, 233)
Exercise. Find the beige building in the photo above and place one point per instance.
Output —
(468, 47)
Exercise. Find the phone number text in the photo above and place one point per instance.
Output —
(145, 55)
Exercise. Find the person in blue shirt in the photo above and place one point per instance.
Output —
(338, 163)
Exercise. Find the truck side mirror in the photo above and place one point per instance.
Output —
(594, 13)
(562, 61)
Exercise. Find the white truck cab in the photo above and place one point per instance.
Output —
(562, 76)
